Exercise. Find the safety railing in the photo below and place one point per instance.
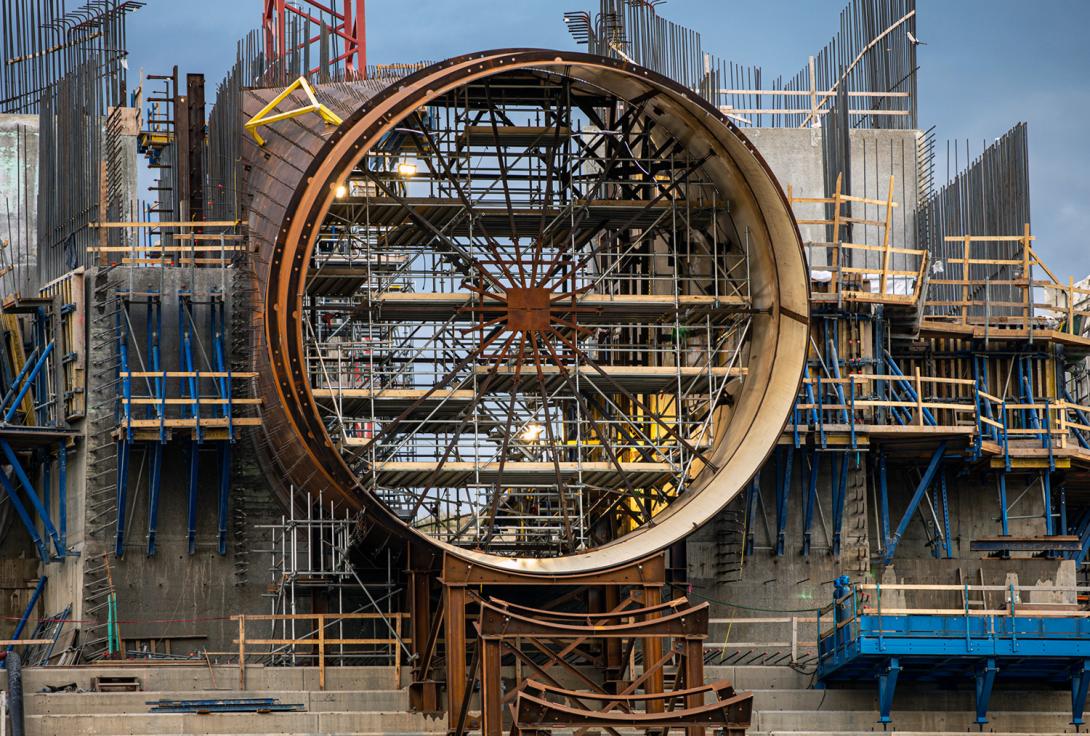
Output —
(840, 624)
(859, 401)
(873, 273)
(316, 644)
(792, 636)
(991, 282)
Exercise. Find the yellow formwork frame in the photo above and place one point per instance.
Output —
(264, 117)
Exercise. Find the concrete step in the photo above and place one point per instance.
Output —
(182, 678)
(312, 701)
(910, 720)
(908, 697)
(162, 724)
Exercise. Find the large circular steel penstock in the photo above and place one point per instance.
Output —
(545, 310)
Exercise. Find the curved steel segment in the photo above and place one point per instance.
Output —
(644, 159)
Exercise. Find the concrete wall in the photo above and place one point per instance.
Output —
(19, 196)
(172, 593)
(197, 592)
(795, 156)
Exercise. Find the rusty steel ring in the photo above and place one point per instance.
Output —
(778, 278)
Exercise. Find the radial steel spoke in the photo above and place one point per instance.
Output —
(586, 260)
(454, 248)
(447, 380)
(603, 437)
(490, 376)
(493, 245)
(632, 397)
(497, 491)
(561, 486)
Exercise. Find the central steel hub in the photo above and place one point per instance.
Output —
(528, 309)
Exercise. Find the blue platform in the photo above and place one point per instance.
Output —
(858, 643)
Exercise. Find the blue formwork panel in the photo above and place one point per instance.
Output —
(950, 648)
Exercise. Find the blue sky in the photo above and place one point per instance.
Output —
(987, 65)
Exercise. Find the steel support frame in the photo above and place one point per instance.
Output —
(985, 680)
(33, 380)
(31, 604)
(887, 686)
(506, 627)
(156, 409)
(647, 575)
(1080, 679)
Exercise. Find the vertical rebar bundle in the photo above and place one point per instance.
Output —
(70, 155)
(872, 58)
(990, 196)
(42, 42)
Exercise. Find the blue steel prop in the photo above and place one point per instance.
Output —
(1083, 418)
(190, 391)
(223, 384)
(887, 685)
(921, 488)
(124, 442)
(35, 501)
(985, 679)
(29, 610)
(18, 382)
(1080, 678)
(947, 543)
(28, 382)
(1004, 520)
(753, 497)
(1046, 490)
(28, 523)
(156, 410)
(906, 387)
(783, 495)
(832, 363)
(840, 463)
(811, 502)
(1024, 366)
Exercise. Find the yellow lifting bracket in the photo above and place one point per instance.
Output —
(264, 118)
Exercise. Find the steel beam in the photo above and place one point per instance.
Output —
(921, 488)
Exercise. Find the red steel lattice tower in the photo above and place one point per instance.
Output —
(344, 20)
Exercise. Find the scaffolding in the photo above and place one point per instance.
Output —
(987, 391)
(311, 569)
(633, 309)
